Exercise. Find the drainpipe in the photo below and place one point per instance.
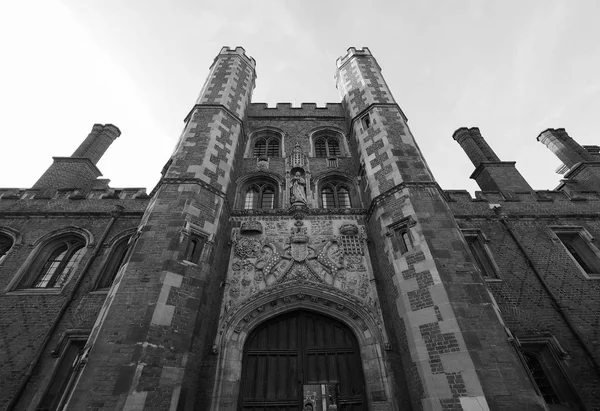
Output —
(33, 364)
(553, 298)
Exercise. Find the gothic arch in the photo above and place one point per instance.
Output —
(26, 273)
(338, 177)
(86, 234)
(243, 182)
(236, 325)
(12, 233)
(121, 235)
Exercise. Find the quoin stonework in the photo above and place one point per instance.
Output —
(302, 258)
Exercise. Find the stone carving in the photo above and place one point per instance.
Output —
(247, 248)
(251, 227)
(262, 163)
(298, 190)
(280, 253)
(349, 229)
(297, 158)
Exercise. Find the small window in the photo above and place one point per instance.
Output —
(335, 195)
(194, 248)
(366, 121)
(63, 380)
(402, 240)
(54, 263)
(483, 257)
(327, 146)
(541, 356)
(577, 243)
(115, 261)
(540, 378)
(260, 195)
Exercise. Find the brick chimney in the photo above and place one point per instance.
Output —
(581, 164)
(490, 173)
(79, 170)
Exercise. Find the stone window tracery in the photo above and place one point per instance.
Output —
(327, 146)
(260, 195)
(335, 194)
(54, 262)
(266, 146)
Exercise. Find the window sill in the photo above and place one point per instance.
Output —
(186, 262)
(103, 291)
(35, 291)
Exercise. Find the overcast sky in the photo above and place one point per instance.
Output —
(511, 68)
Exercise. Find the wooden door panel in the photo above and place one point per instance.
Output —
(290, 351)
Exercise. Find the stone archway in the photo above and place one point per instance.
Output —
(301, 295)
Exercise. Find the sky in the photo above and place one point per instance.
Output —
(511, 68)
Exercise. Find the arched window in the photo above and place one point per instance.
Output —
(54, 263)
(327, 146)
(194, 248)
(260, 195)
(335, 194)
(6, 244)
(266, 146)
(115, 261)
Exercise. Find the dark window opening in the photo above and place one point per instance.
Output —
(6, 244)
(114, 264)
(404, 239)
(366, 121)
(64, 378)
(194, 248)
(541, 379)
(482, 257)
(581, 251)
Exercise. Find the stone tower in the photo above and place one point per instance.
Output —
(301, 258)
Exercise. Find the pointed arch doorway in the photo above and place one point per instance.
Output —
(299, 358)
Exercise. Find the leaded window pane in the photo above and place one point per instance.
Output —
(334, 147)
(260, 147)
(66, 270)
(51, 266)
(273, 148)
(327, 197)
(268, 198)
(320, 148)
(251, 199)
(343, 197)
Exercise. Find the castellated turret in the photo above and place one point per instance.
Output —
(301, 258)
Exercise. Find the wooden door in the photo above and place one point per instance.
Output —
(295, 350)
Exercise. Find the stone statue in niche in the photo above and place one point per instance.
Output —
(298, 191)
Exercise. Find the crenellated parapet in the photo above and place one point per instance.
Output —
(133, 193)
(331, 110)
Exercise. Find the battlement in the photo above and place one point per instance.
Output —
(129, 193)
(351, 52)
(305, 110)
(494, 197)
(239, 51)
